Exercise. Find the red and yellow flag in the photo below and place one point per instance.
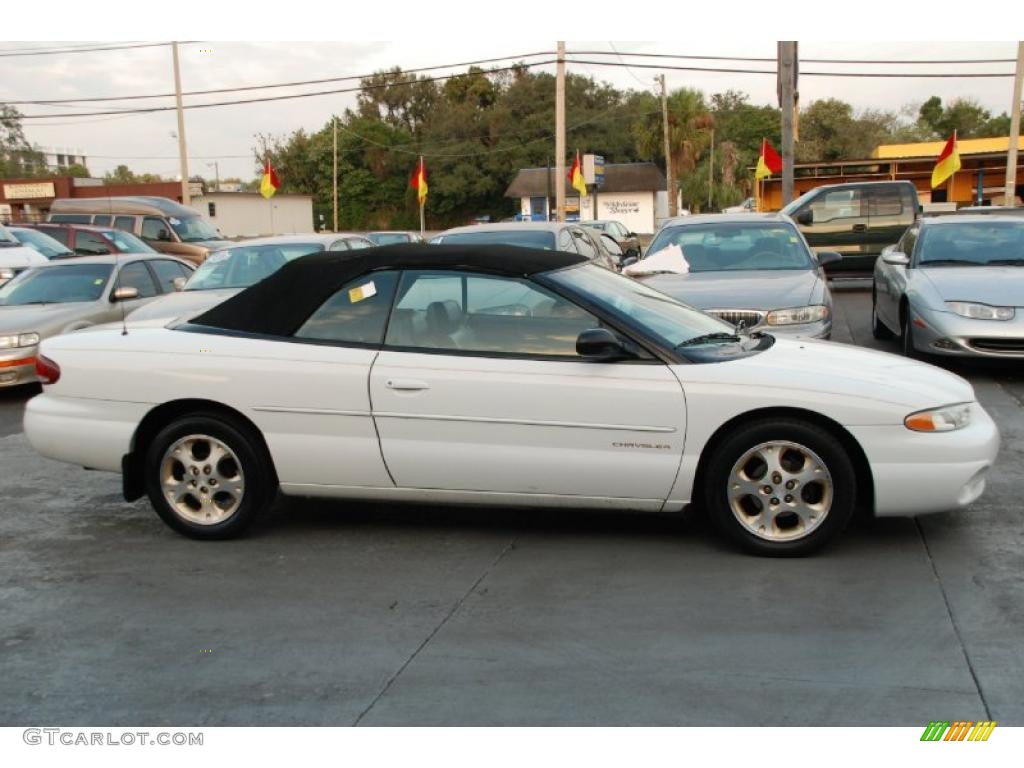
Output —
(269, 184)
(948, 162)
(575, 176)
(419, 182)
(768, 162)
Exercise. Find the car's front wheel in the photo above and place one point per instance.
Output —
(878, 329)
(907, 335)
(207, 477)
(780, 487)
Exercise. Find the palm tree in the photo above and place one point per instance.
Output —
(689, 124)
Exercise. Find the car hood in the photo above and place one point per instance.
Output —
(757, 289)
(820, 370)
(44, 319)
(998, 286)
(181, 304)
(18, 256)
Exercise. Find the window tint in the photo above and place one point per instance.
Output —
(152, 227)
(124, 223)
(886, 201)
(90, 244)
(71, 218)
(101, 221)
(357, 313)
(479, 313)
(837, 204)
(908, 242)
(135, 275)
(166, 273)
(243, 265)
(583, 244)
(60, 234)
(338, 245)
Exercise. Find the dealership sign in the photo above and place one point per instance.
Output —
(36, 191)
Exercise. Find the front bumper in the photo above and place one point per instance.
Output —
(946, 333)
(18, 366)
(917, 472)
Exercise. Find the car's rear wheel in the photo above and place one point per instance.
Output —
(207, 477)
(878, 329)
(781, 488)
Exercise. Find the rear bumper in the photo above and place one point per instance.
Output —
(916, 473)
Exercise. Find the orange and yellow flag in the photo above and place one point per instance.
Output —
(948, 162)
(419, 182)
(576, 176)
(269, 184)
(768, 162)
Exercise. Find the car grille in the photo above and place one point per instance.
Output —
(749, 317)
(999, 345)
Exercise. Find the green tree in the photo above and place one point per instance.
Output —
(122, 174)
(77, 170)
(17, 156)
(965, 116)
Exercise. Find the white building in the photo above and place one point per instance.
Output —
(632, 193)
(249, 214)
(59, 159)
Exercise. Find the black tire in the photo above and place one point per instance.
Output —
(907, 336)
(253, 466)
(878, 329)
(805, 434)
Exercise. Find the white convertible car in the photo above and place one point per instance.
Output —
(502, 375)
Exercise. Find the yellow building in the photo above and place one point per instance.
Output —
(981, 178)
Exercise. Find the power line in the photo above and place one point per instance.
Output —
(57, 51)
(803, 72)
(295, 83)
(772, 59)
(646, 86)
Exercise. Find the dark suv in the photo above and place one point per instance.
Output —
(858, 220)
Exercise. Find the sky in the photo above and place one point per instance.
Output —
(226, 135)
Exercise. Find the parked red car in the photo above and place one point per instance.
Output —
(92, 241)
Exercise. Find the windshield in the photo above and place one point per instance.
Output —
(973, 243)
(525, 238)
(191, 229)
(42, 242)
(62, 284)
(6, 238)
(736, 246)
(126, 242)
(388, 238)
(662, 317)
(245, 265)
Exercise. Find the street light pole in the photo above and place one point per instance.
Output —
(1010, 192)
(560, 134)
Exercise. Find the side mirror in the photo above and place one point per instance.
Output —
(631, 234)
(601, 344)
(179, 283)
(124, 293)
(896, 258)
(805, 217)
(628, 261)
(828, 257)
(163, 236)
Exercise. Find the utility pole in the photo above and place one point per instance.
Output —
(560, 134)
(216, 174)
(787, 88)
(1010, 193)
(711, 171)
(335, 193)
(182, 152)
(669, 181)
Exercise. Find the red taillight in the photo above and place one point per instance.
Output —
(47, 371)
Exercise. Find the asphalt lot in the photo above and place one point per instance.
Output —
(340, 614)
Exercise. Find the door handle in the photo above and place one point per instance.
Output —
(406, 385)
(860, 227)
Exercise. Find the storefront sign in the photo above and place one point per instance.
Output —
(36, 191)
(620, 207)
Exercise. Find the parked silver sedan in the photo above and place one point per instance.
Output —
(755, 271)
(953, 285)
(71, 295)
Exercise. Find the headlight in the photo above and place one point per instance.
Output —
(797, 315)
(980, 311)
(20, 340)
(945, 419)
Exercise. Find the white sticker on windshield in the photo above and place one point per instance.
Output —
(361, 292)
(213, 258)
(174, 221)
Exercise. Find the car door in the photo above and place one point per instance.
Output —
(892, 282)
(479, 388)
(889, 217)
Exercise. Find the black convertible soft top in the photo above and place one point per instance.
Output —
(281, 303)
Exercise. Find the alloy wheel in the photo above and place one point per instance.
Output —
(202, 479)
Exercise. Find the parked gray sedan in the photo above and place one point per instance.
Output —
(954, 285)
(70, 295)
(752, 270)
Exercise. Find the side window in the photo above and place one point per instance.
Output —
(70, 218)
(583, 244)
(124, 223)
(453, 311)
(101, 221)
(837, 204)
(135, 275)
(152, 227)
(358, 313)
(886, 201)
(357, 243)
(60, 234)
(908, 242)
(167, 272)
(90, 244)
(565, 241)
(339, 245)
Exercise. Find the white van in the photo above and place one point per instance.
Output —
(15, 257)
